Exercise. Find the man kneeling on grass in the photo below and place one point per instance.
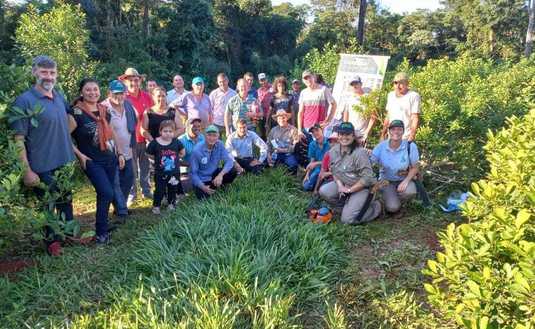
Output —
(206, 175)
(240, 144)
(282, 140)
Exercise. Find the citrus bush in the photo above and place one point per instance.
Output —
(485, 277)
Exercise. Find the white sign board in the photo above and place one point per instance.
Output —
(370, 69)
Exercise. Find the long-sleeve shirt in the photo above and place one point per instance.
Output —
(283, 137)
(353, 167)
(242, 147)
(204, 162)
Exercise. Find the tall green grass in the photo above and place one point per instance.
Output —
(247, 258)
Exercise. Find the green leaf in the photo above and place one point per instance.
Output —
(522, 217)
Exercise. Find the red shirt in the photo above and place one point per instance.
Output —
(325, 162)
(264, 98)
(142, 102)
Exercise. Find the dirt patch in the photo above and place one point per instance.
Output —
(12, 266)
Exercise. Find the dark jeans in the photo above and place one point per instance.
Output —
(162, 188)
(245, 163)
(102, 175)
(63, 202)
(227, 179)
(289, 160)
(122, 184)
(141, 167)
(310, 183)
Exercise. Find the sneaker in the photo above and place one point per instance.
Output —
(102, 239)
(171, 207)
(54, 249)
(156, 210)
(131, 200)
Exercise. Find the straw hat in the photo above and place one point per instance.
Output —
(131, 72)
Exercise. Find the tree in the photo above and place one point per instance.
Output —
(61, 34)
(493, 27)
(530, 35)
(360, 24)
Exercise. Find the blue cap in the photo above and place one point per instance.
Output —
(116, 86)
(197, 81)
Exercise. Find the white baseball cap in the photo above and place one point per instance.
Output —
(262, 76)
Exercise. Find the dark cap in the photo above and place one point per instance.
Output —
(314, 127)
(396, 123)
(345, 128)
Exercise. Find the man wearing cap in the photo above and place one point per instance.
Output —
(403, 104)
(196, 104)
(281, 142)
(242, 106)
(240, 145)
(123, 123)
(191, 137)
(219, 99)
(141, 101)
(296, 90)
(399, 162)
(206, 175)
(178, 92)
(45, 147)
(265, 94)
(349, 111)
(316, 104)
(316, 150)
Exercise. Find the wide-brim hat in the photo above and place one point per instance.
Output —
(131, 72)
(281, 113)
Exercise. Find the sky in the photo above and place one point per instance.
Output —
(397, 6)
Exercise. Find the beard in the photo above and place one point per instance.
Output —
(46, 84)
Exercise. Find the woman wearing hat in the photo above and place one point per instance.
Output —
(398, 159)
(281, 142)
(196, 104)
(158, 113)
(352, 178)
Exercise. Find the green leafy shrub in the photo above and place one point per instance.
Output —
(485, 277)
(61, 34)
(461, 100)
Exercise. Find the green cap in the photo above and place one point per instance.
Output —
(396, 123)
(345, 128)
(198, 81)
(211, 129)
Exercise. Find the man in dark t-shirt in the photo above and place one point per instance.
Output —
(45, 144)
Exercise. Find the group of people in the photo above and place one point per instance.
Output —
(180, 136)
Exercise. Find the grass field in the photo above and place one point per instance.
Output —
(248, 258)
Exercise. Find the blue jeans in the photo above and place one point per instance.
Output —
(122, 184)
(63, 202)
(310, 182)
(102, 176)
(289, 160)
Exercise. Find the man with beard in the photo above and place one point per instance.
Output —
(44, 139)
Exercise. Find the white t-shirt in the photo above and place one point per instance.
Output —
(401, 108)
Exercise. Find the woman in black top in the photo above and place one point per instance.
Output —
(281, 100)
(158, 113)
(95, 148)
